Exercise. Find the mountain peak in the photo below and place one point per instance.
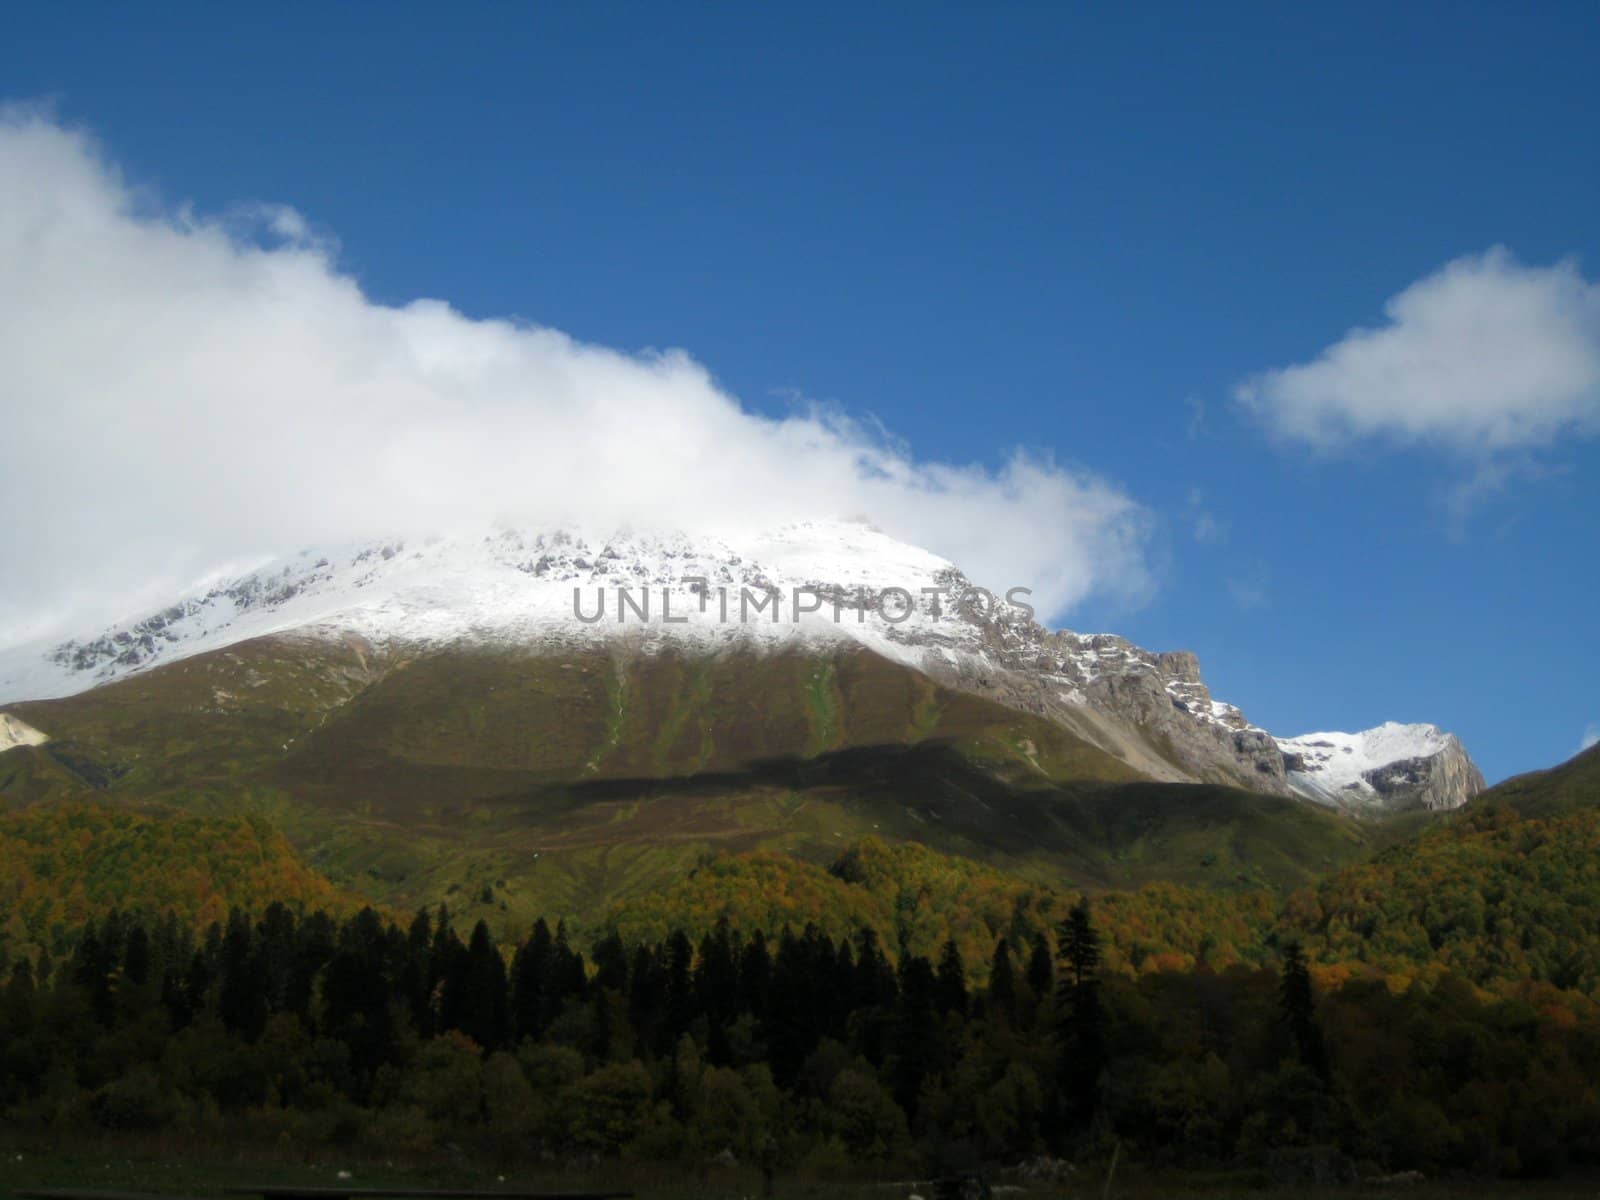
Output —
(1422, 763)
(816, 583)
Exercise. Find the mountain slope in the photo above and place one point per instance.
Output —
(1572, 786)
(68, 863)
(1506, 889)
(524, 783)
(814, 589)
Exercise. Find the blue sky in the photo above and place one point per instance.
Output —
(996, 226)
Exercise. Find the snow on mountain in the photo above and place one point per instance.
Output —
(18, 733)
(1367, 769)
(536, 587)
(815, 582)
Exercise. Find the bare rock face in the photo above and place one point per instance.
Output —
(1391, 767)
(1444, 780)
(1155, 712)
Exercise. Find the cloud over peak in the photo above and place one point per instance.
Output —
(178, 391)
(1485, 356)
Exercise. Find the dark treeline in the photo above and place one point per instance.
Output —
(820, 1053)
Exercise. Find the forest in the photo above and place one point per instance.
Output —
(894, 1013)
(813, 1052)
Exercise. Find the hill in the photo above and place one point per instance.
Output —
(65, 864)
(1571, 786)
(915, 900)
(517, 783)
(1506, 889)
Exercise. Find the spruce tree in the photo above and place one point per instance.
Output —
(530, 972)
(1041, 974)
(875, 983)
(481, 1007)
(136, 957)
(611, 964)
(647, 996)
(755, 976)
(716, 975)
(242, 996)
(916, 1044)
(952, 980)
(680, 989)
(1080, 944)
(1002, 999)
(1082, 1043)
(1298, 1003)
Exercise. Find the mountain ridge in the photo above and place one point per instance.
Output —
(818, 585)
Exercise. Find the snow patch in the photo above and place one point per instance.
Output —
(15, 732)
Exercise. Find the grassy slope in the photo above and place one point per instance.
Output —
(556, 784)
(1573, 785)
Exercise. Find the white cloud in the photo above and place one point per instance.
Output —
(1483, 357)
(1591, 737)
(178, 392)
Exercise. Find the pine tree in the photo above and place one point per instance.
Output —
(1080, 944)
(481, 1006)
(755, 976)
(611, 964)
(315, 943)
(1002, 999)
(90, 970)
(1082, 1054)
(1041, 974)
(569, 979)
(790, 1023)
(875, 983)
(242, 996)
(680, 989)
(841, 991)
(275, 947)
(951, 979)
(1298, 1003)
(917, 1046)
(355, 995)
(136, 957)
(531, 968)
(716, 986)
(647, 996)
(415, 984)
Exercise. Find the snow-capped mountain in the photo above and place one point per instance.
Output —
(1420, 763)
(812, 583)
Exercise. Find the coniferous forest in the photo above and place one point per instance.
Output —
(787, 1047)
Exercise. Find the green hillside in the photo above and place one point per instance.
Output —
(920, 842)
(513, 784)
(1573, 785)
